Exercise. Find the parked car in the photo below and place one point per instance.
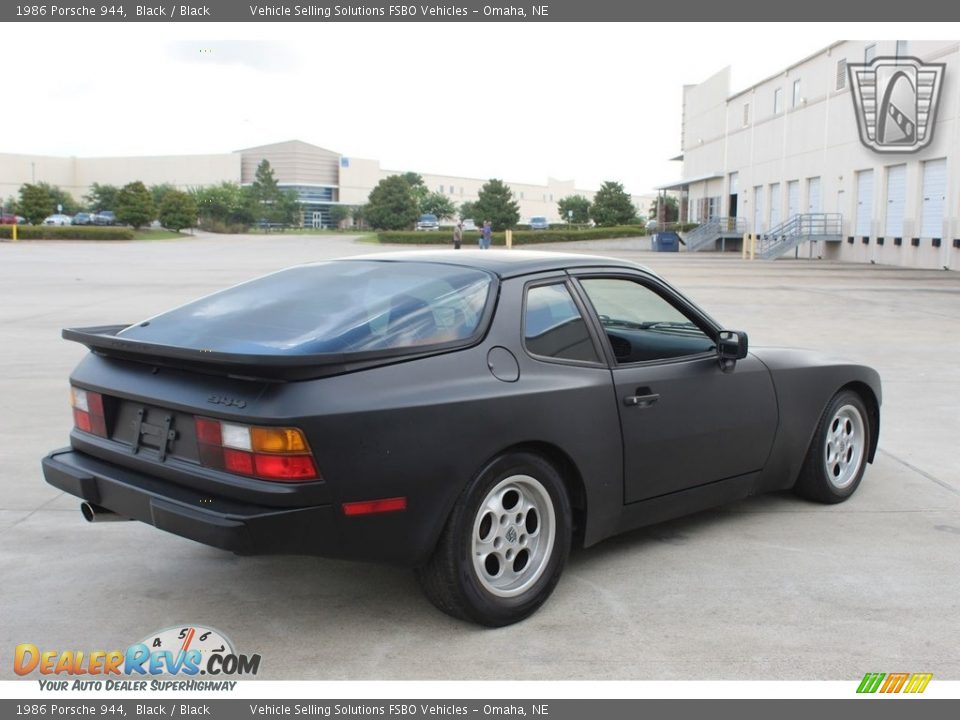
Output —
(9, 219)
(428, 222)
(83, 218)
(105, 217)
(469, 225)
(57, 219)
(465, 414)
(539, 222)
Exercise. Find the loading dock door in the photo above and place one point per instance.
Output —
(813, 195)
(864, 202)
(934, 197)
(793, 198)
(896, 200)
(758, 209)
(774, 205)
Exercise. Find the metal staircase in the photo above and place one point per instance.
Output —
(705, 236)
(799, 229)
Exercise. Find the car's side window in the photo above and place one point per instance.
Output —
(640, 324)
(553, 326)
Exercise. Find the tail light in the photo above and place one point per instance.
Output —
(267, 453)
(88, 411)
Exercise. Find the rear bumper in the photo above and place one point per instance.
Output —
(239, 527)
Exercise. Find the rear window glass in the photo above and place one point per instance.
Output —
(337, 307)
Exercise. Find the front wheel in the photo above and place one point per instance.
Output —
(504, 545)
(838, 454)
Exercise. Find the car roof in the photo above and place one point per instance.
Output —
(503, 263)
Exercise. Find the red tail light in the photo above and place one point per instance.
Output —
(267, 453)
(88, 412)
(371, 507)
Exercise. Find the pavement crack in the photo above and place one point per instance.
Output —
(945, 485)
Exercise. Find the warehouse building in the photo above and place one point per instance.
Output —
(852, 154)
(321, 178)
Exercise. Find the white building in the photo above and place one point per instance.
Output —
(322, 178)
(784, 159)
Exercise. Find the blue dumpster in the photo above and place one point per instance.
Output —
(666, 241)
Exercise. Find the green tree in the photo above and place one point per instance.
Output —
(418, 188)
(359, 214)
(223, 204)
(338, 213)
(669, 208)
(177, 210)
(135, 205)
(36, 203)
(438, 204)
(575, 209)
(495, 203)
(158, 192)
(102, 197)
(391, 205)
(288, 209)
(266, 194)
(612, 206)
(468, 210)
(63, 199)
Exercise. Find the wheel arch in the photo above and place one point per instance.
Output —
(870, 399)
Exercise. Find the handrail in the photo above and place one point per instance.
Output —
(712, 229)
(797, 229)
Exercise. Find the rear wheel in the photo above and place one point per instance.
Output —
(838, 454)
(504, 545)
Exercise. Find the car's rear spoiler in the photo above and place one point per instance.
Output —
(103, 340)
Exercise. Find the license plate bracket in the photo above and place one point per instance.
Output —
(162, 434)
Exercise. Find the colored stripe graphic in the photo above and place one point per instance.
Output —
(918, 682)
(870, 682)
(895, 682)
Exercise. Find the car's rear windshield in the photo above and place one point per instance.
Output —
(428, 218)
(336, 307)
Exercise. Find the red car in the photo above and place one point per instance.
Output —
(8, 219)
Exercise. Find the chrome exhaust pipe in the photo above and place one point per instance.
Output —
(95, 513)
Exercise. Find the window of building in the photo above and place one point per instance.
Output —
(902, 50)
(796, 94)
(553, 326)
(451, 189)
(841, 73)
(778, 101)
(746, 114)
(869, 52)
(521, 195)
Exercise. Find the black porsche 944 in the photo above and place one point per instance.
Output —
(468, 415)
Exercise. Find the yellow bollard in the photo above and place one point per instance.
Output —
(14, 232)
(743, 248)
(753, 246)
(508, 238)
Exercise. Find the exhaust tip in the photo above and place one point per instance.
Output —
(95, 513)
(89, 514)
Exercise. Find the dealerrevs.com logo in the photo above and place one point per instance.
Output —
(896, 100)
(892, 683)
(188, 651)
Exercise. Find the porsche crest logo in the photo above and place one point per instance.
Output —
(895, 101)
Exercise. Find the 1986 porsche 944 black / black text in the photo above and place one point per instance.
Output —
(466, 414)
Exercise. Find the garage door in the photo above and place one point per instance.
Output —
(774, 205)
(864, 201)
(896, 200)
(793, 198)
(934, 197)
(758, 209)
(814, 203)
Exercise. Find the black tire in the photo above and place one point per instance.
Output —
(838, 453)
(525, 558)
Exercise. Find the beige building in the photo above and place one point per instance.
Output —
(322, 178)
(784, 158)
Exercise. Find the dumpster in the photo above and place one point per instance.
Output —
(666, 241)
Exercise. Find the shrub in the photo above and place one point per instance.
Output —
(65, 232)
(520, 237)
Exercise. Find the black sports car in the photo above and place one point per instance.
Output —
(466, 414)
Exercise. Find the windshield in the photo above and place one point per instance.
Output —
(427, 218)
(335, 307)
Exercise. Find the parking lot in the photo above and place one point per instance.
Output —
(769, 588)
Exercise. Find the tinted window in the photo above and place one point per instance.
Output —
(554, 327)
(640, 324)
(337, 307)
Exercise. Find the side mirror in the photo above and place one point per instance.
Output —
(731, 346)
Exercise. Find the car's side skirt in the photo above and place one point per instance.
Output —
(686, 502)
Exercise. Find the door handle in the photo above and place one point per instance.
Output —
(642, 401)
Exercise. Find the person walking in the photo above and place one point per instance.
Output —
(457, 236)
(486, 235)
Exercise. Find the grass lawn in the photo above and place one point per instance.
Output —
(157, 234)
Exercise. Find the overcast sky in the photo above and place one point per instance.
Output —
(522, 102)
